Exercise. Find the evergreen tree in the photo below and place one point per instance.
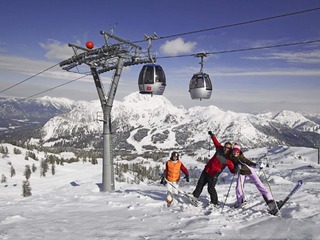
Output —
(3, 178)
(4, 150)
(12, 171)
(44, 168)
(34, 168)
(26, 189)
(16, 151)
(1, 149)
(121, 177)
(94, 161)
(30, 154)
(53, 169)
(27, 172)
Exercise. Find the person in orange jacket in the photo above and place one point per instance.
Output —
(213, 168)
(172, 175)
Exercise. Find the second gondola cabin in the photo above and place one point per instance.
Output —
(200, 86)
(152, 79)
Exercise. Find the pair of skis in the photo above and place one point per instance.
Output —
(283, 202)
(274, 211)
(189, 196)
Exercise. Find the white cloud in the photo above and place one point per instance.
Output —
(265, 100)
(298, 57)
(177, 46)
(309, 57)
(271, 72)
(56, 50)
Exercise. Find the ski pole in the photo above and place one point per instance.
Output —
(168, 182)
(265, 176)
(178, 190)
(227, 193)
(191, 198)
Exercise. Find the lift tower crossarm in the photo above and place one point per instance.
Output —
(107, 35)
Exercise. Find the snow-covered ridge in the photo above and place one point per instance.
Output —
(57, 102)
(154, 121)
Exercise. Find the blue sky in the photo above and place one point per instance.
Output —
(34, 37)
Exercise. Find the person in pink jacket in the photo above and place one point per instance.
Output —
(246, 169)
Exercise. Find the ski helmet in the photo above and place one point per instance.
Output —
(174, 154)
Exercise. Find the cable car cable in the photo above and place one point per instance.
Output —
(235, 24)
(53, 88)
(266, 47)
(249, 49)
(29, 78)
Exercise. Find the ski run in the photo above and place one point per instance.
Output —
(69, 205)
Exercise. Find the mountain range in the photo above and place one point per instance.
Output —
(21, 119)
(151, 123)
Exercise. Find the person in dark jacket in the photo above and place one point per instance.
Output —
(246, 169)
(213, 168)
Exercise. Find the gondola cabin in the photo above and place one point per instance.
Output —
(152, 79)
(200, 86)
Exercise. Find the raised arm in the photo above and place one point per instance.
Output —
(215, 140)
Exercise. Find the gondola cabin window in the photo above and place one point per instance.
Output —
(147, 75)
(160, 77)
(208, 83)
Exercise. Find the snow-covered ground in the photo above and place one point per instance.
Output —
(69, 204)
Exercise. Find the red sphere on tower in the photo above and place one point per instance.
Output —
(89, 45)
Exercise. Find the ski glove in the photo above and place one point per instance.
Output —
(210, 133)
(163, 181)
(187, 177)
(260, 165)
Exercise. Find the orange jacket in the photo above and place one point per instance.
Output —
(172, 171)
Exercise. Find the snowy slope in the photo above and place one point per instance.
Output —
(70, 206)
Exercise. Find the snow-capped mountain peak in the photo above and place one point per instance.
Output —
(142, 122)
